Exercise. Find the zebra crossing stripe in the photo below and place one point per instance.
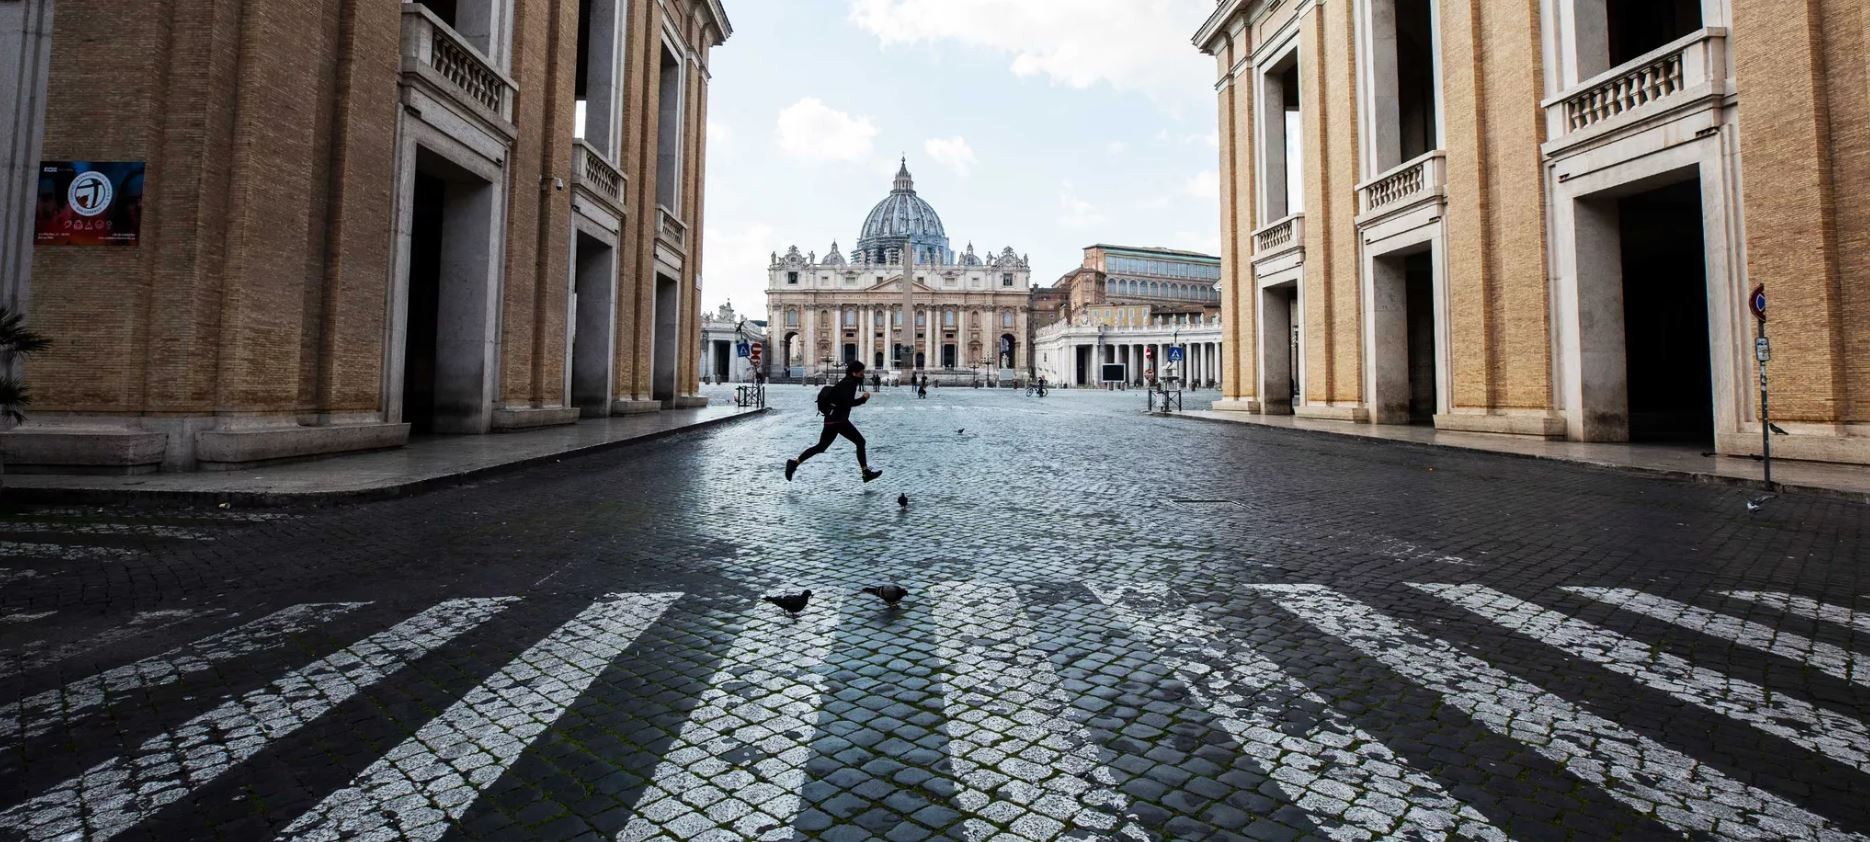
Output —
(1349, 783)
(419, 788)
(1660, 782)
(1016, 754)
(761, 701)
(1811, 609)
(39, 714)
(63, 552)
(1835, 661)
(1831, 734)
(35, 656)
(15, 616)
(142, 530)
(115, 795)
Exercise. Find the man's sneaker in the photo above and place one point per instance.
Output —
(871, 474)
(791, 466)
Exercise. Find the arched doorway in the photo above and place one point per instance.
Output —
(1008, 351)
(791, 348)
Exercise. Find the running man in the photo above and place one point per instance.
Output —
(836, 403)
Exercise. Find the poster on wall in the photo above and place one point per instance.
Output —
(89, 203)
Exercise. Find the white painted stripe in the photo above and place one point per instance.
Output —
(1015, 752)
(37, 655)
(1668, 786)
(16, 616)
(65, 705)
(133, 515)
(1350, 784)
(763, 698)
(1831, 734)
(1811, 609)
(115, 795)
(1831, 660)
(9, 575)
(64, 552)
(418, 789)
(141, 530)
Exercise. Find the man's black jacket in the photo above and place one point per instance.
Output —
(843, 397)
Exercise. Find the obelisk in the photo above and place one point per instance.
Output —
(909, 304)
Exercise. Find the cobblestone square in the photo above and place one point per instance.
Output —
(1119, 626)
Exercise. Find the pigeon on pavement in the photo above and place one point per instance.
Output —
(792, 603)
(961, 431)
(890, 594)
(1758, 503)
(902, 500)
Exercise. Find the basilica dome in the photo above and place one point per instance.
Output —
(904, 218)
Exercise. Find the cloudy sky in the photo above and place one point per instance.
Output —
(1045, 125)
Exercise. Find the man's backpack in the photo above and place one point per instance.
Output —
(824, 400)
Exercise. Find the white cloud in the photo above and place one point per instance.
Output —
(1075, 211)
(1137, 45)
(1204, 185)
(735, 263)
(1212, 139)
(720, 135)
(1116, 148)
(811, 130)
(953, 153)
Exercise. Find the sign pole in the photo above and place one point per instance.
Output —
(1763, 351)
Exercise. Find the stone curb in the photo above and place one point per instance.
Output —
(310, 499)
(1638, 470)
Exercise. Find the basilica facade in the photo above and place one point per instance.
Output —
(971, 311)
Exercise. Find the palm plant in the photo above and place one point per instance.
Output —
(16, 342)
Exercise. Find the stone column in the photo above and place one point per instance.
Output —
(808, 356)
(864, 330)
(26, 31)
(932, 340)
(961, 336)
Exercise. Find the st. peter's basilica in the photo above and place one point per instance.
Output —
(845, 307)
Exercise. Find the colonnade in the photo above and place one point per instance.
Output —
(1201, 364)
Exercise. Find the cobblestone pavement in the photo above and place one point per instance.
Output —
(1119, 627)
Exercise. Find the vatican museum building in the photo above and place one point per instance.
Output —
(970, 311)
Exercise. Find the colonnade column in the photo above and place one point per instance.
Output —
(863, 336)
(808, 353)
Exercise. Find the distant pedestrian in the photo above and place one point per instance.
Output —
(835, 403)
(876, 382)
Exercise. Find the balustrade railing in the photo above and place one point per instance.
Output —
(669, 228)
(1406, 183)
(429, 42)
(1284, 234)
(590, 170)
(1660, 76)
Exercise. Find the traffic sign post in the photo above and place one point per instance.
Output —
(1763, 352)
(1175, 353)
(743, 350)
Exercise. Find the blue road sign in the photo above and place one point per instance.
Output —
(743, 350)
(1175, 353)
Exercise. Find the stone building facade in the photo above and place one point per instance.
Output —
(1544, 217)
(722, 333)
(1169, 281)
(971, 312)
(363, 218)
